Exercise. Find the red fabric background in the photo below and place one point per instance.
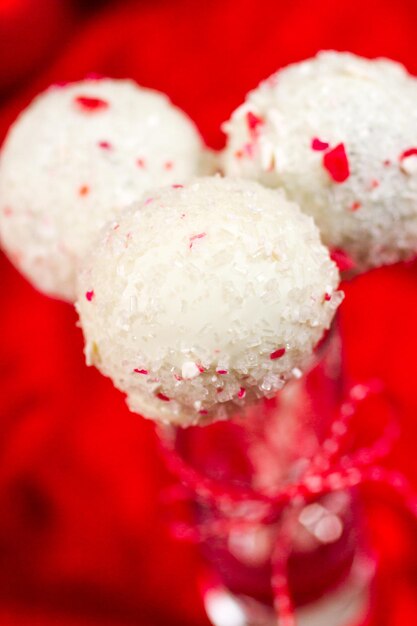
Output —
(82, 536)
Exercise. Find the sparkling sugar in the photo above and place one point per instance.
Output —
(339, 133)
(77, 155)
(205, 298)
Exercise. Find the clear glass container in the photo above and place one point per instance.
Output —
(266, 550)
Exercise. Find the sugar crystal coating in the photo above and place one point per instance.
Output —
(339, 133)
(206, 297)
(73, 159)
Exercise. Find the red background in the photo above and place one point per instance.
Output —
(82, 535)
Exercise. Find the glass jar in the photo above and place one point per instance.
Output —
(273, 555)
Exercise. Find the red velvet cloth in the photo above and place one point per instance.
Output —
(83, 539)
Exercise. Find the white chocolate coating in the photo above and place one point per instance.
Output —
(361, 188)
(76, 156)
(203, 298)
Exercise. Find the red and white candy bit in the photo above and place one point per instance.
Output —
(141, 371)
(89, 295)
(105, 145)
(194, 238)
(408, 153)
(318, 145)
(254, 123)
(342, 259)
(277, 354)
(336, 162)
(91, 104)
(163, 397)
(408, 161)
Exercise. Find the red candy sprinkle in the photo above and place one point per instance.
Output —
(89, 295)
(138, 371)
(88, 103)
(105, 145)
(407, 153)
(222, 371)
(140, 162)
(162, 397)
(168, 165)
(319, 145)
(342, 259)
(277, 354)
(193, 238)
(336, 163)
(201, 369)
(241, 392)
(84, 190)
(254, 122)
(355, 206)
(374, 183)
(177, 186)
(327, 297)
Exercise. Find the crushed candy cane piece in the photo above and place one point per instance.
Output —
(318, 145)
(337, 164)
(89, 103)
(342, 259)
(163, 397)
(277, 354)
(194, 238)
(105, 145)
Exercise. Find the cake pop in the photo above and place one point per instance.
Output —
(339, 134)
(204, 297)
(73, 159)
